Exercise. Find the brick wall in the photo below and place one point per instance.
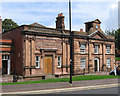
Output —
(43, 46)
(90, 56)
(17, 49)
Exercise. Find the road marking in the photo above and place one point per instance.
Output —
(63, 89)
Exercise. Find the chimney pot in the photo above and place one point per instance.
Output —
(58, 15)
(81, 30)
(60, 22)
(61, 14)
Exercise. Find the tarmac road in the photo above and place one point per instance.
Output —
(99, 86)
(44, 86)
(113, 91)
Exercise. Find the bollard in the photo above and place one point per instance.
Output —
(14, 78)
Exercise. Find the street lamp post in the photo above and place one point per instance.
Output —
(71, 43)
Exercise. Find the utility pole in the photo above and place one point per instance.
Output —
(71, 42)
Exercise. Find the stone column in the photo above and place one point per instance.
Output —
(27, 56)
(33, 55)
(64, 57)
(86, 51)
(68, 58)
(104, 59)
(89, 56)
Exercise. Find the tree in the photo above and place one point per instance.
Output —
(118, 38)
(8, 24)
(115, 33)
(111, 33)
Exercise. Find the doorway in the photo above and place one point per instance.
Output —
(96, 64)
(4, 66)
(48, 62)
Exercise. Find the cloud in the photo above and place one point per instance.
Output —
(45, 12)
(59, 1)
(119, 14)
(112, 21)
(32, 12)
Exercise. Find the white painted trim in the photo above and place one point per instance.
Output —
(59, 62)
(38, 61)
(97, 48)
(8, 61)
(97, 63)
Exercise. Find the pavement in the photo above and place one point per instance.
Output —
(58, 85)
(71, 90)
(9, 78)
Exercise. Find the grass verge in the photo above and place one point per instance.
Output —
(74, 78)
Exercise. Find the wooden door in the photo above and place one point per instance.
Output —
(48, 65)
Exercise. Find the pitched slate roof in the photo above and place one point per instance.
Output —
(96, 21)
(38, 25)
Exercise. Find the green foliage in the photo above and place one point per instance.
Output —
(74, 78)
(117, 58)
(8, 24)
(115, 33)
(111, 33)
(118, 38)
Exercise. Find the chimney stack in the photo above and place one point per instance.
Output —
(60, 22)
(0, 25)
(81, 30)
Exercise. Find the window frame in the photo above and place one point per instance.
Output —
(59, 62)
(5, 57)
(37, 61)
(96, 46)
(82, 48)
(83, 65)
(109, 65)
(107, 49)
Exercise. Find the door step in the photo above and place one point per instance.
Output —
(49, 76)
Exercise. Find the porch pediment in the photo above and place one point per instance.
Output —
(97, 34)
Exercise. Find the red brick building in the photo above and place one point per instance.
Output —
(40, 50)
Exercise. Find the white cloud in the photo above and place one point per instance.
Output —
(113, 6)
(112, 21)
(59, 0)
(45, 13)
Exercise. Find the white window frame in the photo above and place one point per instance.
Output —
(108, 62)
(96, 47)
(5, 57)
(97, 63)
(59, 61)
(82, 48)
(108, 49)
(37, 61)
(83, 63)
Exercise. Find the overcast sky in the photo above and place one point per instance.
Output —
(45, 13)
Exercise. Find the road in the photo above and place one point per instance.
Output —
(111, 91)
(79, 87)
